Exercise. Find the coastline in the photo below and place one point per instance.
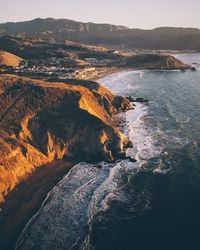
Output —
(102, 72)
(23, 202)
(26, 199)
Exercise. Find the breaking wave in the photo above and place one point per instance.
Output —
(64, 217)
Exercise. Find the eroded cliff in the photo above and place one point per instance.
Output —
(45, 121)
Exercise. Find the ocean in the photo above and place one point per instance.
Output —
(153, 203)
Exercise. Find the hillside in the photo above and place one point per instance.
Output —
(41, 122)
(10, 60)
(105, 34)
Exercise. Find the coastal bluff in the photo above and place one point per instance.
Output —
(44, 121)
(156, 61)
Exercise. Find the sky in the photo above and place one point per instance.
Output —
(145, 14)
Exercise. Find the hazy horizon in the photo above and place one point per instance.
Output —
(141, 14)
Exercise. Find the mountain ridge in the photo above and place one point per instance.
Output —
(172, 38)
(100, 23)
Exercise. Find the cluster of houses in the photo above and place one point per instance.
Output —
(53, 67)
(56, 71)
(64, 67)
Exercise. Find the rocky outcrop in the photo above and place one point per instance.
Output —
(155, 61)
(44, 121)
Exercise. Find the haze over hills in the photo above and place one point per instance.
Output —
(106, 34)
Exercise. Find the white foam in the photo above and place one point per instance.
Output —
(111, 187)
(145, 144)
(162, 169)
(63, 219)
(121, 83)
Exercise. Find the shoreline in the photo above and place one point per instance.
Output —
(103, 72)
(24, 201)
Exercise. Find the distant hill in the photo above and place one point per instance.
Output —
(165, 38)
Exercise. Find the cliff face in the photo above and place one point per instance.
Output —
(155, 61)
(43, 121)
